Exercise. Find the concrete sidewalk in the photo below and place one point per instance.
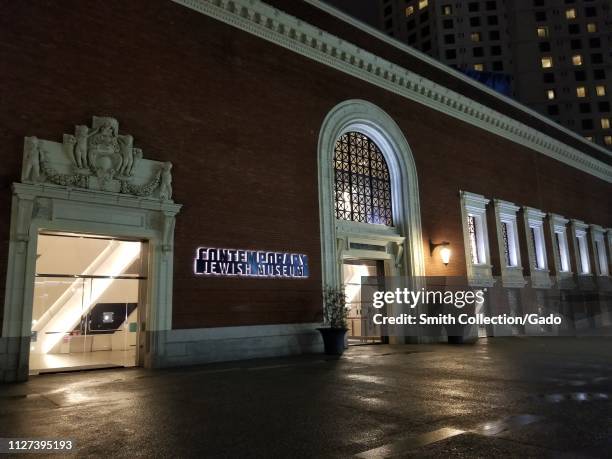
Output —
(527, 397)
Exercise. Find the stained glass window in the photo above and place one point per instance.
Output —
(362, 181)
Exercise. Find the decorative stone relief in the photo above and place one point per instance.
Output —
(96, 158)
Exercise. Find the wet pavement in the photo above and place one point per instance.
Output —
(528, 397)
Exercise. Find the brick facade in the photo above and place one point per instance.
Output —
(240, 118)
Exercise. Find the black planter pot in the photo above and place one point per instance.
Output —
(333, 340)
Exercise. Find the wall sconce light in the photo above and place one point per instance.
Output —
(445, 252)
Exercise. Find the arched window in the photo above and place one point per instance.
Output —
(362, 181)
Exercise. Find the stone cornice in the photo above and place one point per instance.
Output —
(260, 19)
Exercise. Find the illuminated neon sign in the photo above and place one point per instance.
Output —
(250, 263)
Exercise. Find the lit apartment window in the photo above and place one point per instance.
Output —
(475, 36)
(423, 4)
(447, 10)
(600, 90)
(589, 138)
(581, 91)
(550, 94)
(570, 13)
(591, 27)
(605, 123)
(409, 11)
(479, 67)
(542, 32)
(547, 62)
(608, 139)
(577, 59)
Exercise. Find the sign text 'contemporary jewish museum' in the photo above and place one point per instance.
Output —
(250, 263)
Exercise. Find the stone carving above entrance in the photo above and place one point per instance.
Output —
(96, 158)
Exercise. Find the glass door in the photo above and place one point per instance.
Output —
(357, 275)
(87, 315)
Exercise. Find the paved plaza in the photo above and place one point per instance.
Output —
(527, 397)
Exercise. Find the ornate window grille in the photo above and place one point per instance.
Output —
(472, 233)
(506, 243)
(362, 181)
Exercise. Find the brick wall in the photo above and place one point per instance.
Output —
(240, 118)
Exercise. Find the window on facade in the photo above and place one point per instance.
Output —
(544, 46)
(362, 181)
(479, 67)
(447, 10)
(591, 27)
(508, 242)
(472, 231)
(608, 139)
(574, 28)
(409, 11)
(602, 259)
(553, 109)
(550, 94)
(581, 91)
(548, 78)
(537, 241)
(423, 4)
(599, 74)
(583, 253)
(594, 42)
(603, 106)
(542, 31)
(562, 250)
(474, 21)
(605, 123)
(547, 62)
(597, 58)
(577, 59)
(570, 13)
(475, 36)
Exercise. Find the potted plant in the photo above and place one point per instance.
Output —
(334, 319)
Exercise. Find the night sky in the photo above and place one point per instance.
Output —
(364, 10)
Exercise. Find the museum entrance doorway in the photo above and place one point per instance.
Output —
(85, 311)
(361, 277)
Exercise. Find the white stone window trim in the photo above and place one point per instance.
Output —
(368, 119)
(475, 205)
(512, 272)
(536, 247)
(598, 246)
(561, 255)
(581, 248)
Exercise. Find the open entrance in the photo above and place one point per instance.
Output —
(87, 291)
(357, 275)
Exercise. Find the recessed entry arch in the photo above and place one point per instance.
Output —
(366, 118)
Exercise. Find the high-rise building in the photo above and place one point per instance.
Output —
(551, 55)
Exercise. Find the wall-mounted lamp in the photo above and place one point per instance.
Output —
(445, 252)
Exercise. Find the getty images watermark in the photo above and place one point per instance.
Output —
(439, 306)
(456, 298)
